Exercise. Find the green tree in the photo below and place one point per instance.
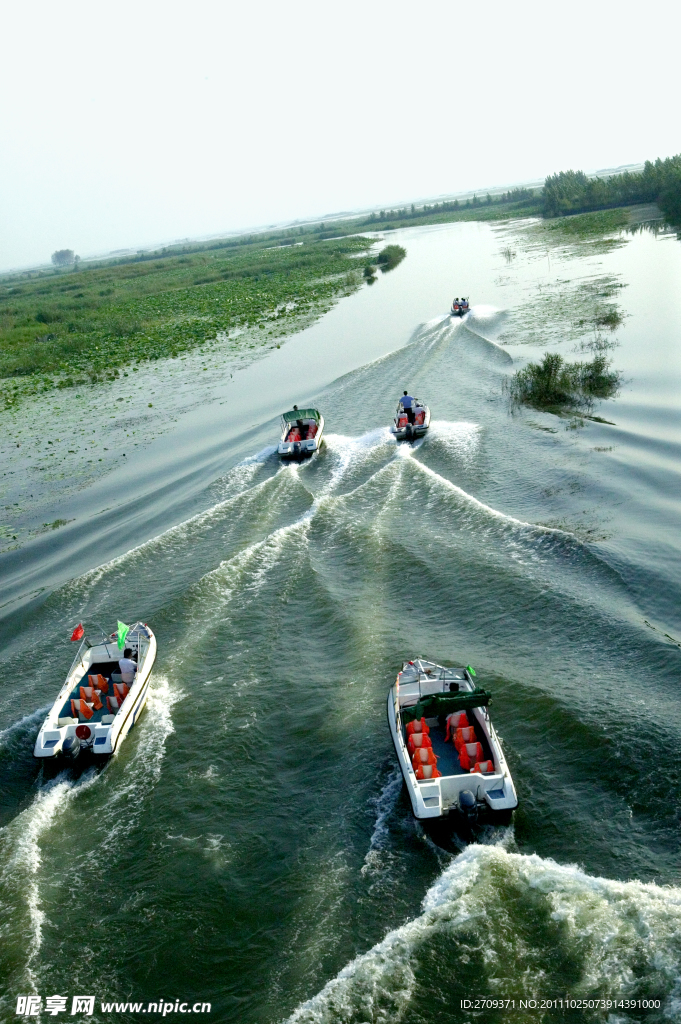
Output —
(63, 257)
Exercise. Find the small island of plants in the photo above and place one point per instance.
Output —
(557, 386)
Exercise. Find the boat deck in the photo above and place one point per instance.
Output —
(108, 669)
(447, 757)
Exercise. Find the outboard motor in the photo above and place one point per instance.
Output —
(71, 748)
(296, 447)
(468, 805)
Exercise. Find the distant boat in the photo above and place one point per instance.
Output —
(95, 709)
(301, 433)
(449, 753)
(406, 428)
(459, 307)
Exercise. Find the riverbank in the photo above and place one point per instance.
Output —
(56, 445)
(90, 325)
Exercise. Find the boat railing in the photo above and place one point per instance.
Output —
(143, 645)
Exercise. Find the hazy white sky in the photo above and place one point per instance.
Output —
(129, 123)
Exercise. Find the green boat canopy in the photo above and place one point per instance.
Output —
(438, 705)
(301, 414)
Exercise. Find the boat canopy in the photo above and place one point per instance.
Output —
(437, 704)
(301, 414)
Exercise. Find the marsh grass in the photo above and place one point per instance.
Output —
(587, 225)
(103, 320)
(555, 385)
(567, 310)
(390, 257)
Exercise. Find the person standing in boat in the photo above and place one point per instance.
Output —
(408, 406)
(127, 666)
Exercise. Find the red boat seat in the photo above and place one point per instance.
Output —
(401, 422)
(88, 693)
(420, 417)
(420, 725)
(418, 739)
(293, 434)
(121, 690)
(311, 431)
(484, 767)
(81, 710)
(424, 755)
(113, 704)
(428, 771)
(99, 682)
(457, 720)
(469, 754)
(465, 735)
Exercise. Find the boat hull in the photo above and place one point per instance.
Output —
(105, 737)
(412, 431)
(493, 794)
(299, 450)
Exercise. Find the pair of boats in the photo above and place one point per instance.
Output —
(449, 753)
(302, 429)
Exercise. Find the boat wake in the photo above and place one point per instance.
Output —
(384, 805)
(525, 926)
(21, 854)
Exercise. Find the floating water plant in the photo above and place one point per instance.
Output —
(555, 385)
(389, 257)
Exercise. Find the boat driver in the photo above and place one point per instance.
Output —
(127, 666)
(408, 406)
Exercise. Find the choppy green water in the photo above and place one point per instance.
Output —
(250, 845)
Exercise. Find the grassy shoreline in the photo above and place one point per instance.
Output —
(92, 324)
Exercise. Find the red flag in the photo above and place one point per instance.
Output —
(78, 632)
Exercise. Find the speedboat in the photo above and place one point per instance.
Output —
(407, 429)
(459, 308)
(301, 433)
(95, 709)
(448, 750)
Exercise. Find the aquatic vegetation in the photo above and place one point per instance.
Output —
(587, 225)
(390, 257)
(104, 319)
(577, 310)
(555, 385)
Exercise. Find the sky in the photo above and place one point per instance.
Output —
(138, 123)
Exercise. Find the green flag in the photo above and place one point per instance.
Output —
(122, 633)
(469, 667)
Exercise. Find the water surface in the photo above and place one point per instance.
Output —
(250, 845)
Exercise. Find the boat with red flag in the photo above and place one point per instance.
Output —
(102, 698)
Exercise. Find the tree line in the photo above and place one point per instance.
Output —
(516, 195)
(659, 182)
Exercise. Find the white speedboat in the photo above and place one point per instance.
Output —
(95, 709)
(411, 423)
(301, 433)
(448, 750)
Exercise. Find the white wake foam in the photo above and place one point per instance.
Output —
(22, 858)
(624, 938)
(385, 804)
